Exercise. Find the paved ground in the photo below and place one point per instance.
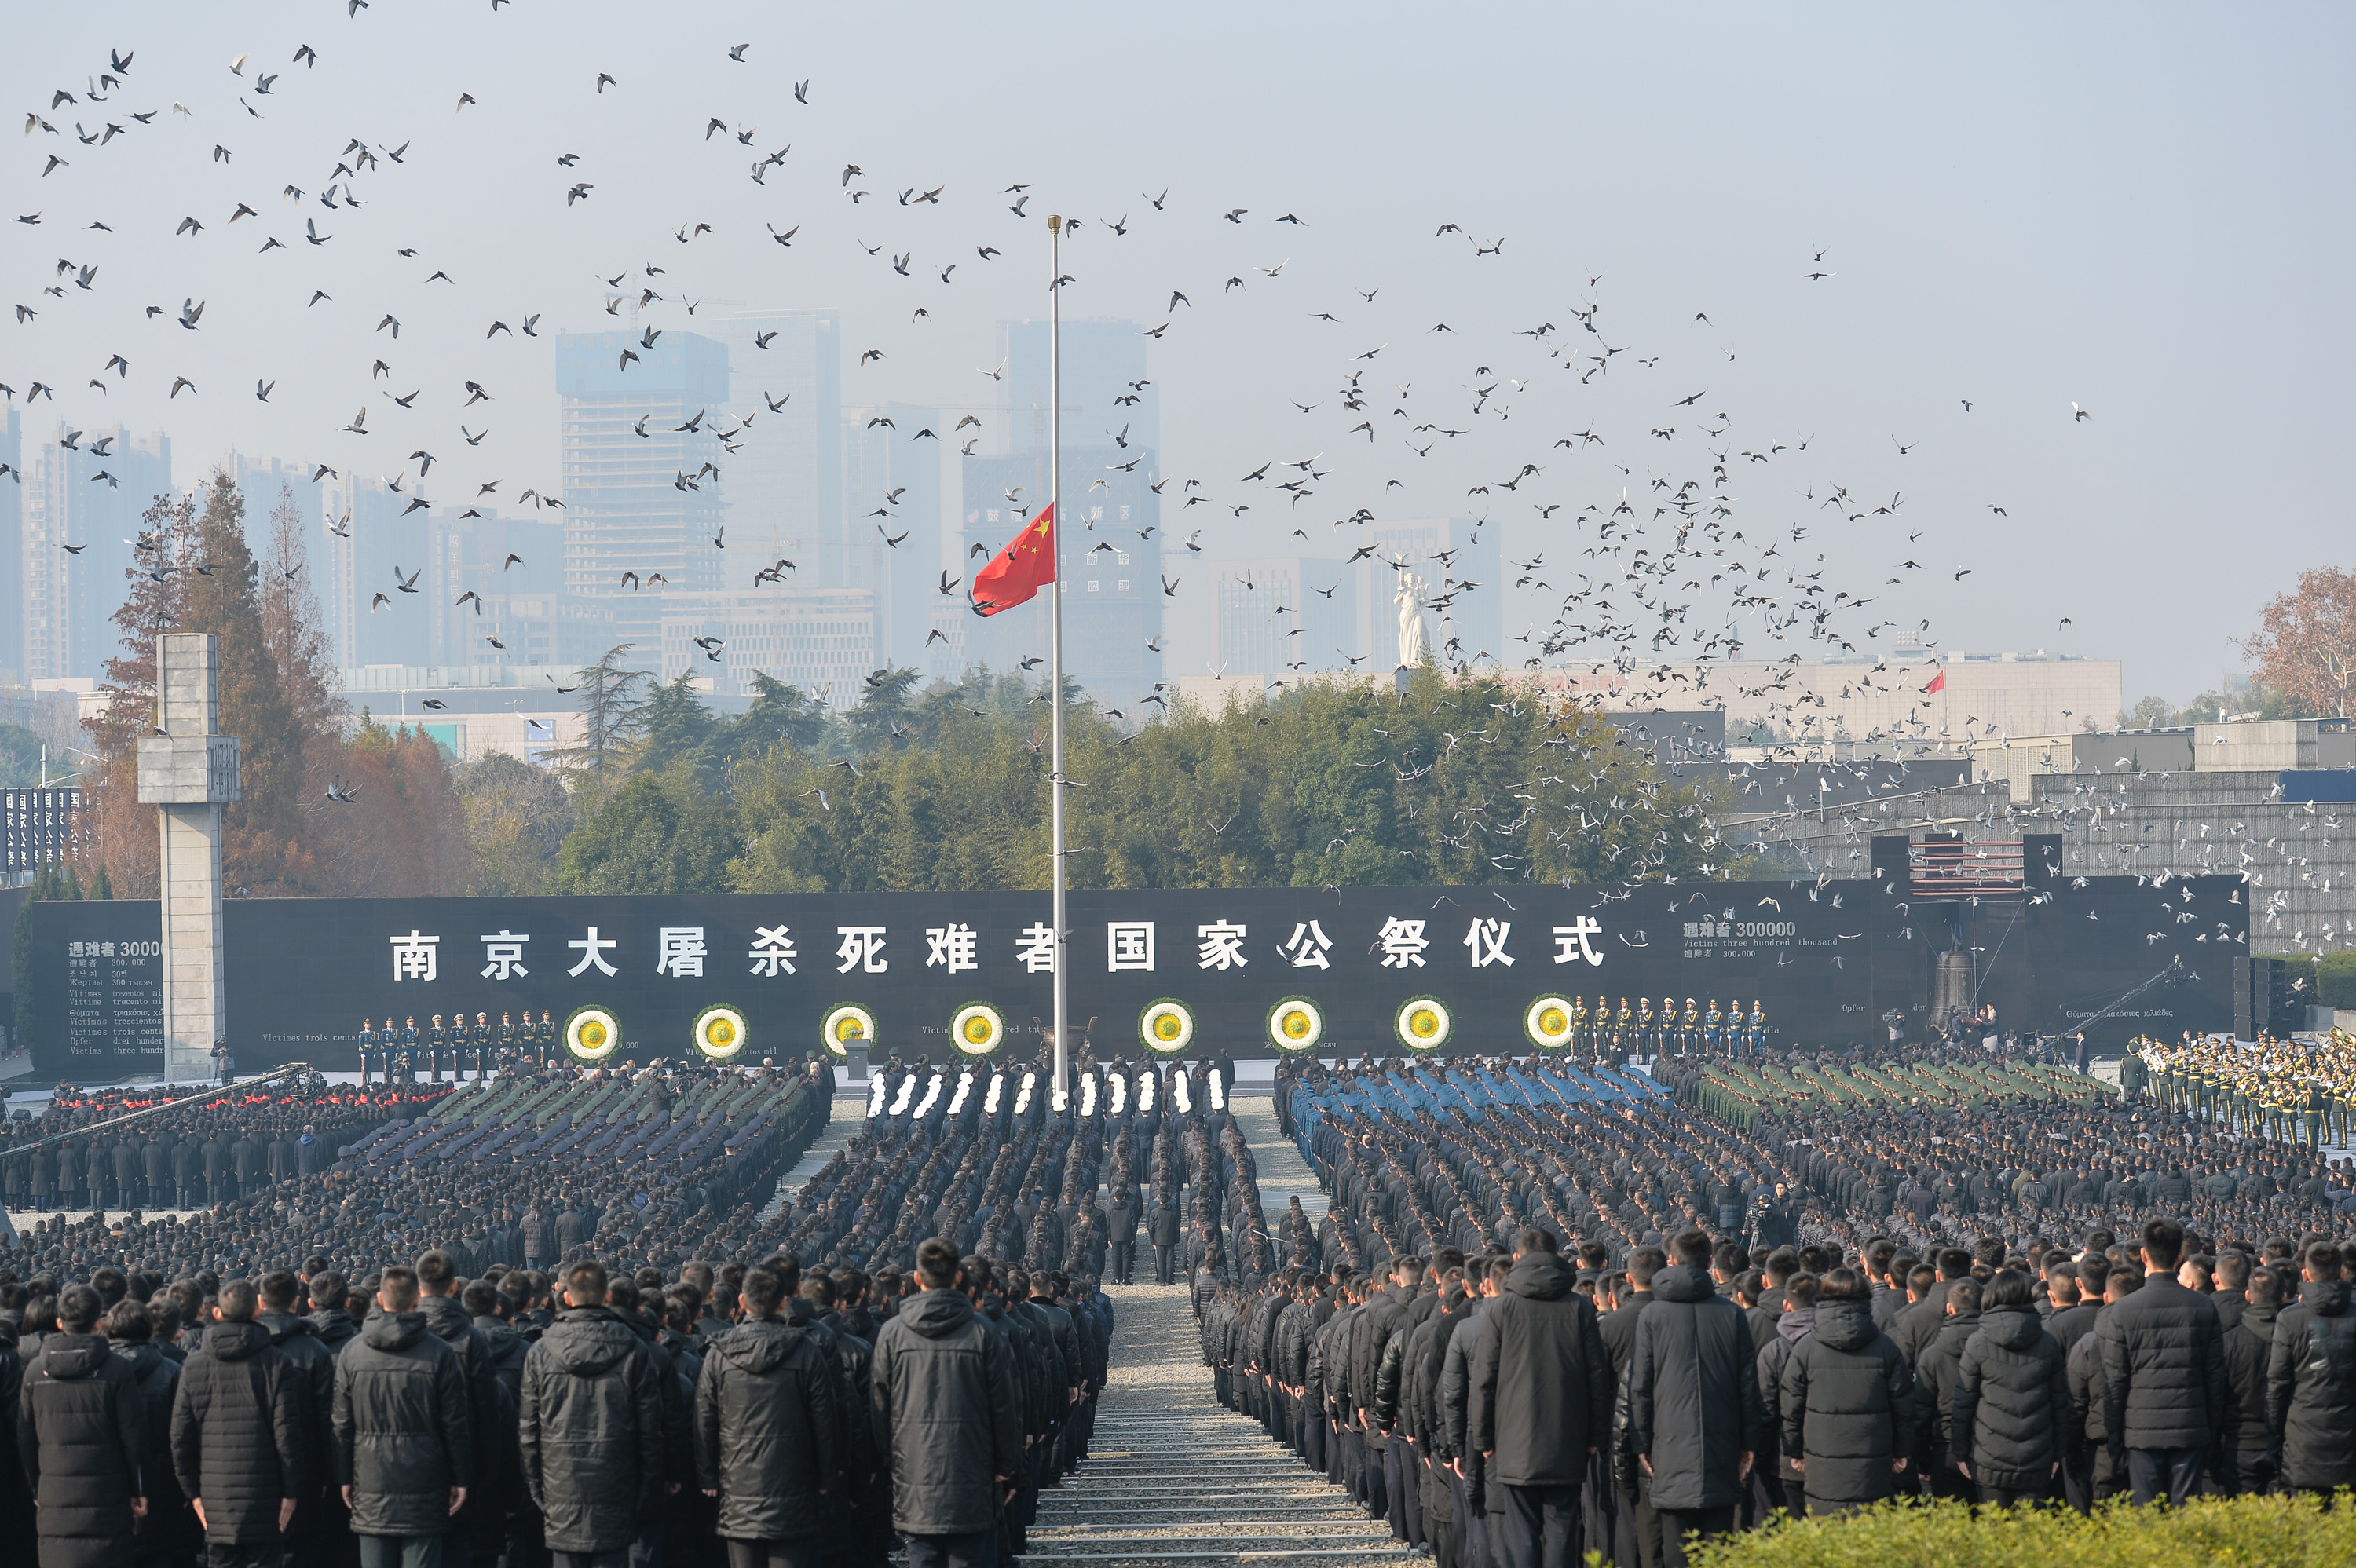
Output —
(1283, 1174)
(1173, 1476)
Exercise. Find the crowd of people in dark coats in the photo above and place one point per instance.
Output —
(1542, 1321)
(978, 1152)
(646, 1167)
(761, 1417)
(1519, 1406)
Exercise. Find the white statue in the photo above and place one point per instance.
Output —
(1414, 642)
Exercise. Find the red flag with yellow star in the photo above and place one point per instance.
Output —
(1015, 573)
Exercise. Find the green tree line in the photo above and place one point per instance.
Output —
(1479, 780)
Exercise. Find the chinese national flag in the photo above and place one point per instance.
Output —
(1015, 574)
(1938, 684)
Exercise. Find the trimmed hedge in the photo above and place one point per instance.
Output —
(2275, 1532)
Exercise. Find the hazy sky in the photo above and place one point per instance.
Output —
(2142, 210)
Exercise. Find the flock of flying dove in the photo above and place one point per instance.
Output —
(1661, 573)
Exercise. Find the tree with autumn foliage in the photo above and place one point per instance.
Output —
(283, 837)
(2305, 647)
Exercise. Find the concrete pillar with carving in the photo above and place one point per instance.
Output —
(189, 771)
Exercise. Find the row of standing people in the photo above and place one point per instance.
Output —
(1505, 1411)
(421, 1421)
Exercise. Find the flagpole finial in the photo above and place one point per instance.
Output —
(1055, 223)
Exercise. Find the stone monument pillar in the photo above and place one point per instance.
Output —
(188, 771)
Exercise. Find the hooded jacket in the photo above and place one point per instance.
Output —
(1693, 1392)
(405, 1427)
(590, 1426)
(2249, 1348)
(2311, 1387)
(490, 1412)
(2163, 1368)
(765, 1430)
(1790, 1329)
(1848, 1406)
(2010, 1413)
(237, 1434)
(942, 1403)
(1541, 1388)
(81, 1430)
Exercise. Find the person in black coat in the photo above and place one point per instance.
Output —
(590, 1424)
(1120, 1230)
(80, 1431)
(2249, 1349)
(943, 1405)
(2010, 1404)
(404, 1419)
(236, 1434)
(167, 1531)
(2312, 1378)
(766, 1433)
(1162, 1230)
(1934, 1377)
(313, 1369)
(1540, 1405)
(1696, 1422)
(2165, 1396)
(1848, 1402)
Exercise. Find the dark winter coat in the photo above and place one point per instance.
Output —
(404, 1426)
(942, 1402)
(2163, 1368)
(313, 1368)
(1541, 1391)
(80, 1431)
(170, 1528)
(2010, 1417)
(1790, 1329)
(2249, 1348)
(1694, 1392)
(2311, 1387)
(237, 1434)
(1934, 1382)
(591, 1429)
(1848, 1407)
(765, 1429)
(490, 1411)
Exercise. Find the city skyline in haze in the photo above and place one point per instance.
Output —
(2021, 214)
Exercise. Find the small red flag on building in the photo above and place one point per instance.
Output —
(1015, 573)
(1938, 684)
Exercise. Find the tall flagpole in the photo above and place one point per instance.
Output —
(1055, 633)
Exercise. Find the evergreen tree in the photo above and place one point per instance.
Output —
(264, 846)
(608, 711)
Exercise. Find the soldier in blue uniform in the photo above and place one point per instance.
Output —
(367, 1045)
